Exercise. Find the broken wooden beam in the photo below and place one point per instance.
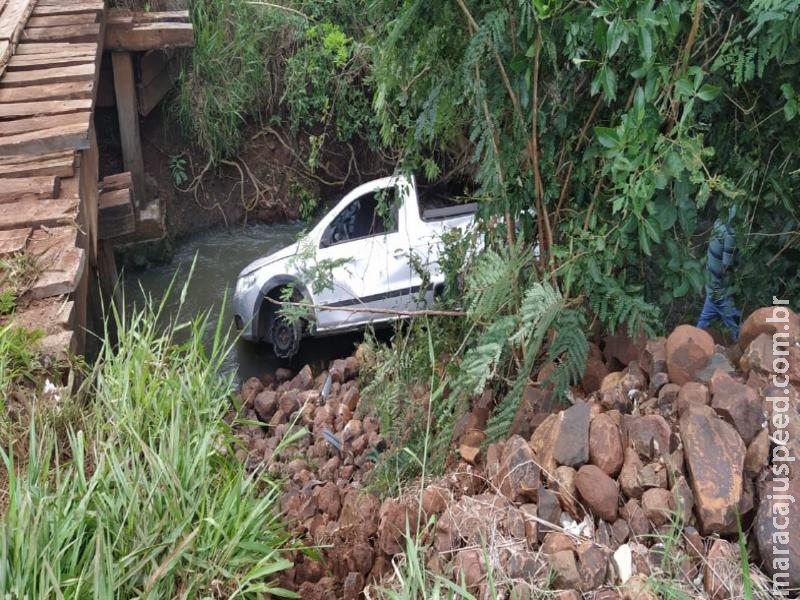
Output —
(28, 187)
(115, 217)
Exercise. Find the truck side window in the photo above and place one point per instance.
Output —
(362, 218)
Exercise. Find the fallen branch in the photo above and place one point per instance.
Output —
(370, 309)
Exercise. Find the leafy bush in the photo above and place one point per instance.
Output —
(147, 500)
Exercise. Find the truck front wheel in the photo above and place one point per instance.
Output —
(285, 336)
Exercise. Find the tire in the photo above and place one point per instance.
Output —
(285, 336)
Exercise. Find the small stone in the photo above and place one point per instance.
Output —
(599, 491)
(649, 435)
(692, 392)
(592, 566)
(658, 505)
(605, 445)
(757, 455)
(548, 510)
(557, 542)
(636, 518)
(764, 320)
(434, 500)
(543, 440)
(572, 444)
(353, 585)
(469, 565)
(565, 570)
(722, 577)
(517, 474)
(629, 475)
(304, 380)
(469, 454)
(564, 486)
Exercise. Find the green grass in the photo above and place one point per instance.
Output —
(141, 497)
(229, 78)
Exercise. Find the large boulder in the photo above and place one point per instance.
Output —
(777, 528)
(759, 322)
(689, 350)
(766, 357)
(715, 459)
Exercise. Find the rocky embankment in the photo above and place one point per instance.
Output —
(635, 486)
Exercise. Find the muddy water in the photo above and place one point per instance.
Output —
(220, 256)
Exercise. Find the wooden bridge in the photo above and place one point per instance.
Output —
(58, 222)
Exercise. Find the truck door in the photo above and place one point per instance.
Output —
(363, 244)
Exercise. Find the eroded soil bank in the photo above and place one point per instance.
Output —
(632, 491)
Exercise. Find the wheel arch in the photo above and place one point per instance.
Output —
(263, 311)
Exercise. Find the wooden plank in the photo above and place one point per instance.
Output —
(149, 36)
(14, 240)
(115, 216)
(128, 116)
(50, 107)
(75, 33)
(5, 55)
(120, 17)
(40, 123)
(56, 48)
(57, 20)
(46, 140)
(45, 10)
(28, 187)
(62, 264)
(48, 76)
(25, 63)
(38, 213)
(18, 159)
(87, 188)
(12, 21)
(118, 181)
(59, 167)
(75, 90)
(151, 94)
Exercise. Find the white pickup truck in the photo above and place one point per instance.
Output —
(370, 237)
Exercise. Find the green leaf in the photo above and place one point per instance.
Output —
(614, 37)
(644, 241)
(790, 109)
(607, 136)
(684, 88)
(708, 92)
(646, 43)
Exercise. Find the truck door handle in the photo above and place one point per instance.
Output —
(398, 252)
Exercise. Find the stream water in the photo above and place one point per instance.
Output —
(220, 256)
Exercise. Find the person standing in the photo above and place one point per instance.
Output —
(719, 304)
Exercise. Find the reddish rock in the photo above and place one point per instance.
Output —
(543, 440)
(780, 548)
(620, 530)
(622, 348)
(692, 392)
(761, 357)
(304, 380)
(658, 505)
(688, 351)
(353, 585)
(517, 476)
(572, 444)
(715, 459)
(548, 510)
(722, 578)
(328, 499)
(525, 417)
(468, 565)
(605, 445)
(564, 485)
(611, 381)
(396, 519)
(434, 500)
(594, 374)
(250, 389)
(265, 404)
(653, 358)
(557, 542)
(757, 455)
(757, 324)
(648, 435)
(592, 566)
(599, 491)
(737, 404)
(565, 570)
(470, 454)
(629, 475)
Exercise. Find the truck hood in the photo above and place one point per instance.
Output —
(268, 260)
